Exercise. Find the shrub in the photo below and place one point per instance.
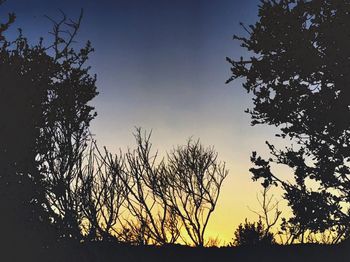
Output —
(252, 234)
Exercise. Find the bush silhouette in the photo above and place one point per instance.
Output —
(252, 234)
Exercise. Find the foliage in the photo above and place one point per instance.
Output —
(252, 234)
(66, 131)
(45, 93)
(299, 76)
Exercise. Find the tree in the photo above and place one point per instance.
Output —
(195, 178)
(65, 133)
(154, 220)
(167, 194)
(20, 103)
(268, 205)
(299, 76)
(45, 91)
(260, 232)
(103, 195)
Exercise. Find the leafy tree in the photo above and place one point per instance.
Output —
(299, 76)
(44, 98)
(21, 101)
(65, 134)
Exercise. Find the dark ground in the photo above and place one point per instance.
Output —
(96, 252)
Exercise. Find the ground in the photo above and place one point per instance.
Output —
(100, 252)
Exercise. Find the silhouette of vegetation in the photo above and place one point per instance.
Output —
(268, 205)
(269, 213)
(252, 234)
(162, 198)
(151, 219)
(259, 233)
(65, 134)
(298, 75)
(148, 176)
(103, 196)
(195, 178)
(45, 92)
(213, 242)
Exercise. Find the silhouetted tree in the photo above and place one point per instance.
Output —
(103, 194)
(20, 102)
(45, 92)
(168, 194)
(65, 135)
(299, 76)
(153, 220)
(195, 178)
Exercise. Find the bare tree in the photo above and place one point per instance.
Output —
(268, 205)
(159, 197)
(151, 218)
(104, 194)
(148, 203)
(194, 180)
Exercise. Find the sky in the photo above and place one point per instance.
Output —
(161, 65)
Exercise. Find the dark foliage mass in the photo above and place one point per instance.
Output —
(44, 96)
(252, 234)
(299, 77)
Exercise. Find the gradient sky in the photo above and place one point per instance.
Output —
(161, 66)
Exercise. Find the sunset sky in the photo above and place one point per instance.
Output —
(161, 65)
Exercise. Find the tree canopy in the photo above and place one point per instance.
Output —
(299, 76)
(44, 96)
